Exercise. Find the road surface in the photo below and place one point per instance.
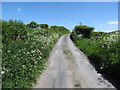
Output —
(68, 67)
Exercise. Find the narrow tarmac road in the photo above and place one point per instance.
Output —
(68, 67)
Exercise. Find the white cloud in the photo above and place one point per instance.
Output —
(19, 9)
(113, 22)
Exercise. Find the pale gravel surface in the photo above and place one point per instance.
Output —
(67, 70)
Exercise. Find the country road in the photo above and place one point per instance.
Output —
(68, 67)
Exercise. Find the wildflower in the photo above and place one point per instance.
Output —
(2, 72)
(23, 66)
(9, 51)
(39, 57)
(28, 52)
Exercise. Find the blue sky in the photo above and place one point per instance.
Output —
(103, 16)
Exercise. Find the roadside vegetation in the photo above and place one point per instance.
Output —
(25, 49)
(68, 54)
(101, 48)
(0, 55)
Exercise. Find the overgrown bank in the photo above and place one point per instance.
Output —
(102, 50)
(25, 50)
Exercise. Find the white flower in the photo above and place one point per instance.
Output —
(23, 66)
(9, 51)
(2, 72)
(39, 57)
(28, 52)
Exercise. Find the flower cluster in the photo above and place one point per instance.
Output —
(24, 60)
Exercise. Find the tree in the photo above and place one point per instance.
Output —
(44, 25)
(32, 24)
(84, 30)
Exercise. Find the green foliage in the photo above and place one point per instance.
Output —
(24, 59)
(84, 30)
(44, 25)
(77, 85)
(59, 29)
(103, 50)
(13, 30)
(98, 33)
(32, 24)
(73, 36)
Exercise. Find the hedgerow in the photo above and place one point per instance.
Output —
(24, 55)
(102, 50)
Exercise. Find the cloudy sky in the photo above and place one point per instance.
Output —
(103, 16)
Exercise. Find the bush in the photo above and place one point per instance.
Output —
(84, 30)
(32, 24)
(23, 59)
(43, 25)
(13, 30)
(59, 29)
(102, 50)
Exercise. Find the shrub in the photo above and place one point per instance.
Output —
(23, 59)
(102, 50)
(43, 25)
(84, 30)
(32, 24)
(13, 30)
(59, 28)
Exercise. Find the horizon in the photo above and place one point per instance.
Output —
(67, 14)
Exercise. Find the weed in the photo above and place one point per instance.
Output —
(68, 54)
(77, 85)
